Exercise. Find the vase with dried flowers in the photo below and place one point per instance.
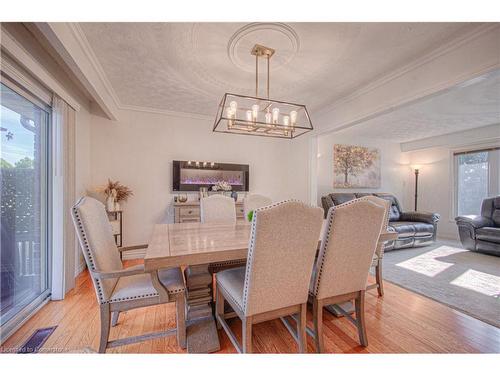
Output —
(115, 193)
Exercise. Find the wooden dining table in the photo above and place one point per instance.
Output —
(197, 244)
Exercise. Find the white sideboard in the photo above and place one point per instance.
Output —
(190, 211)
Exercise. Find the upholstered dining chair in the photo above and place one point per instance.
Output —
(275, 281)
(346, 254)
(218, 209)
(120, 289)
(254, 201)
(379, 251)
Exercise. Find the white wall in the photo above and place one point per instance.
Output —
(138, 151)
(394, 176)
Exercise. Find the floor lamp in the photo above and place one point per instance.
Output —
(416, 169)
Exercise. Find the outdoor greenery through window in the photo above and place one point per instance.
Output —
(477, 177)
(24, 202)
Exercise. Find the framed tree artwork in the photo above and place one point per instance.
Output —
(356, 167)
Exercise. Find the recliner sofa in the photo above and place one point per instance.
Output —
(414, 228)
(481, 233)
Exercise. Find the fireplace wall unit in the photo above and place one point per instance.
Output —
(192, 175)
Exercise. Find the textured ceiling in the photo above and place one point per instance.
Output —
(472, 104)
(187, 67)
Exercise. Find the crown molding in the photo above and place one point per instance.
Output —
(87, 48)
(82, 40)
(398, 72)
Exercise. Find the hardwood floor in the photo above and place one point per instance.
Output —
(400, 322)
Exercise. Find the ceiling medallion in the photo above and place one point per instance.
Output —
(276, 33)
(254, 115)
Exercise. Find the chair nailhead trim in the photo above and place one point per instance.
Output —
(85, 245)
(175, 291)
(324, 245)
(248, 269)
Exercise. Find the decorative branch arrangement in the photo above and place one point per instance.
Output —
(115, 193)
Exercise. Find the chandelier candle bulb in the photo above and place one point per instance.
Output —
(230, 115)
(268, 117)
(255, 112)
(234, 106)
(276, 114)
(249, 115)
(286, 120)
(293, 117)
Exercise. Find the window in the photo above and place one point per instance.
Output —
(24, 192)
(476, 177)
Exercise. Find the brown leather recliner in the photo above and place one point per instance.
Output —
(414, 228)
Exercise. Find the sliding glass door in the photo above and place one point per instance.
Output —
(24, 187)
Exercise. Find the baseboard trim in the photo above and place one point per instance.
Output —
(80, 268)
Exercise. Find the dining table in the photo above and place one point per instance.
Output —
(192, 246)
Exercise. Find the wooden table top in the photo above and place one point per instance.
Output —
(183, 244)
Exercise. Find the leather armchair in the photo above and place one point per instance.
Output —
(414, 228)
(482, 232)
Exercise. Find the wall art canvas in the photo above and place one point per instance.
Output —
(356, 167)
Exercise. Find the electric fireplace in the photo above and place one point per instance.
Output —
(192, 175)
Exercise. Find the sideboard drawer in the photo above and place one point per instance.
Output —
(189, 212)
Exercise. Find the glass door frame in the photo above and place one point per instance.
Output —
(31, 308)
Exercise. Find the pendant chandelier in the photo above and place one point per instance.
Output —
(254, 115)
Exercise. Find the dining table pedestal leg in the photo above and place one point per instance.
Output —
(345, 307)
(202, 336)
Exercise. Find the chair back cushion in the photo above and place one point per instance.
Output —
(96, 239)
(254, 201)
(347, 248)
(218, 209)
(283, 243)
(490, 208)
(379, 251)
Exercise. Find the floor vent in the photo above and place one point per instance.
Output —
(36, 341)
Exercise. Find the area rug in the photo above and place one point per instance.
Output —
(445, 272)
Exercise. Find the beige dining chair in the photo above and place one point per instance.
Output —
(254, 201)
(215, 209)
(379, 252)
(345, 257)
(121, 289)
(218, 209)
(276, 279)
